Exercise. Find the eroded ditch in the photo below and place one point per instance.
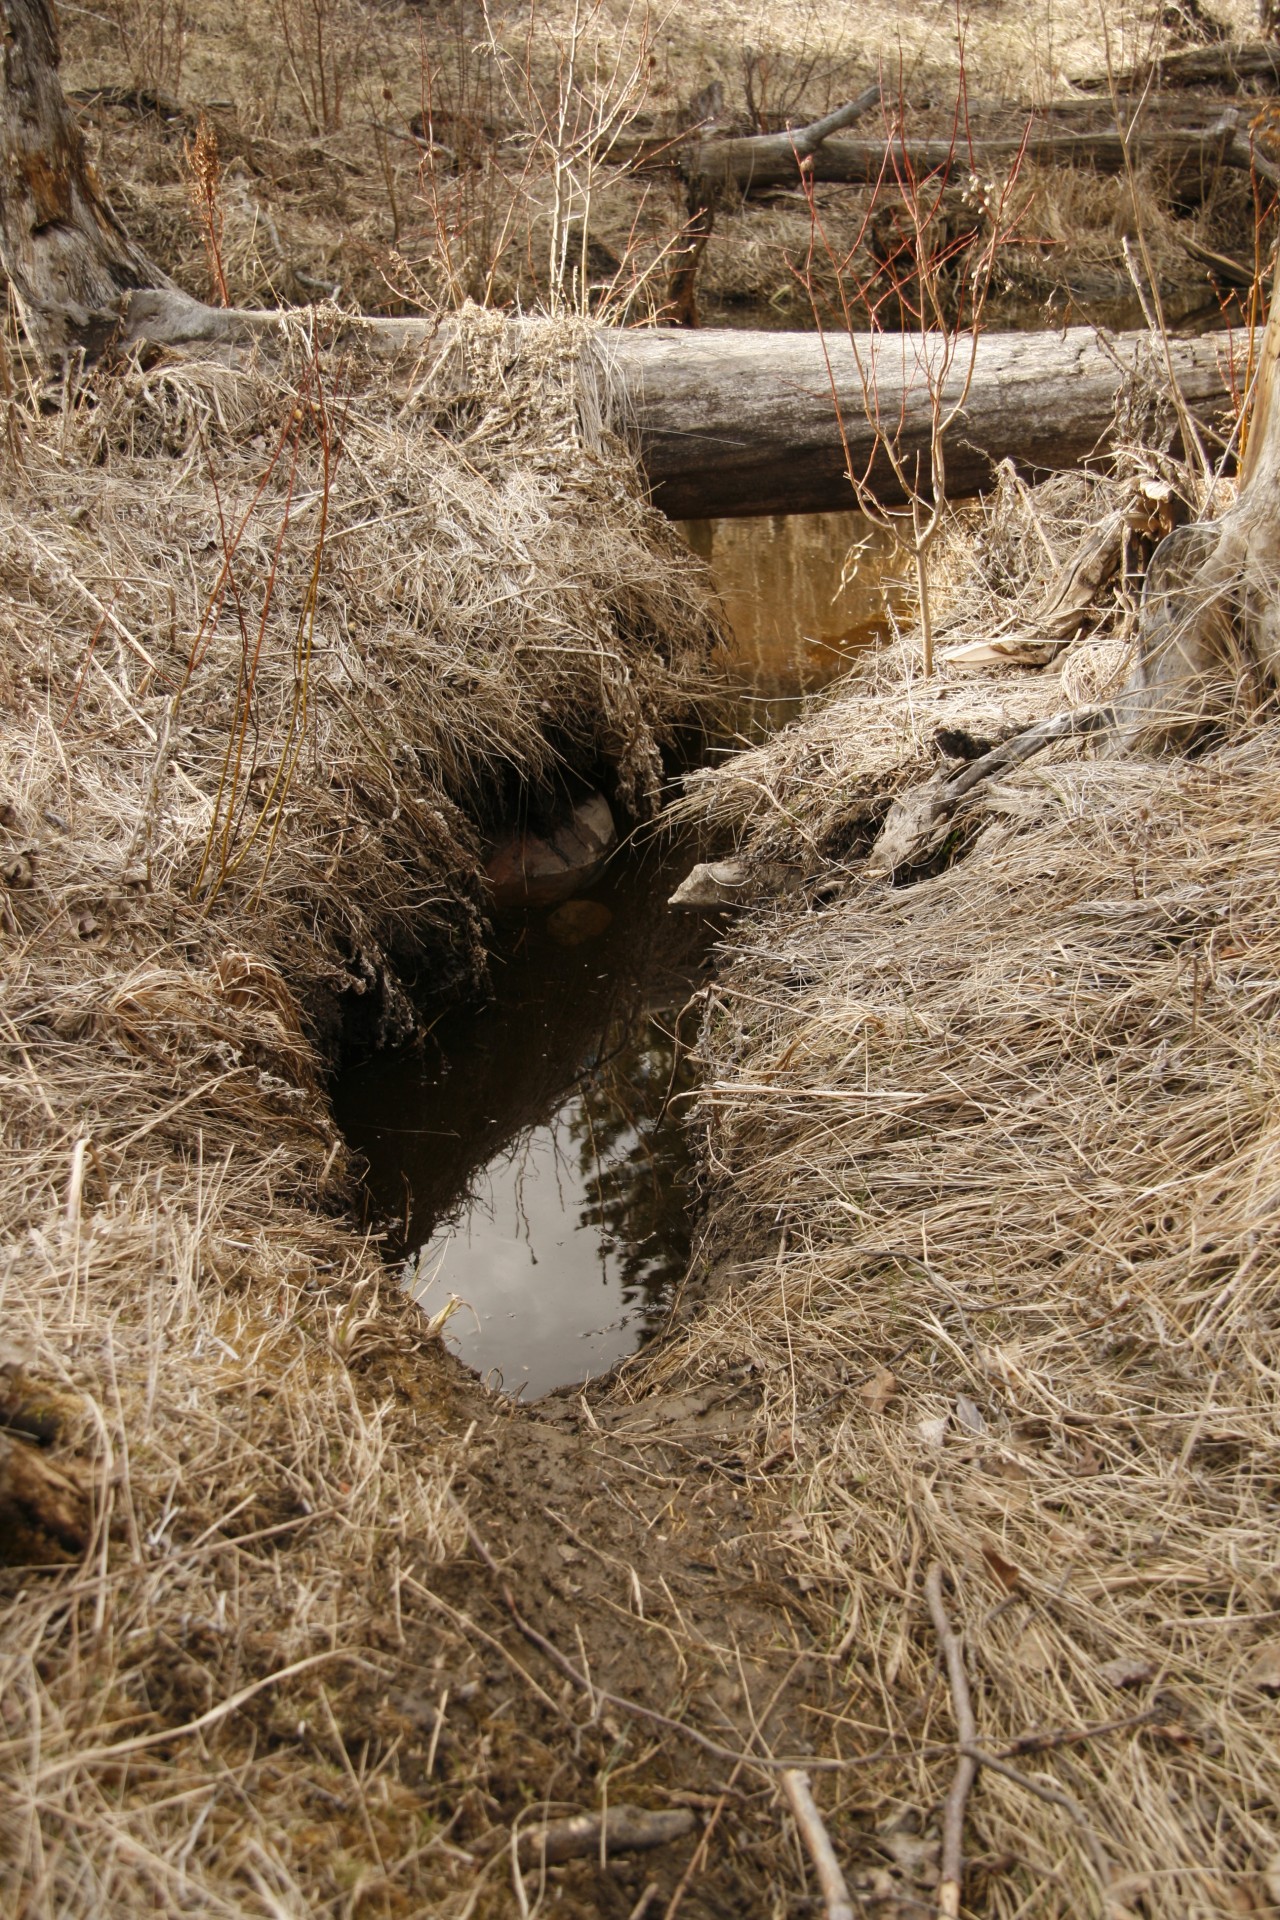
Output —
(527, 1160)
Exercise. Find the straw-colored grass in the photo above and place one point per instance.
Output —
(279, 641)
(993, 1164)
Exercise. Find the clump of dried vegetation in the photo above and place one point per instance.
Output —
(280, 641)
(991, 1154)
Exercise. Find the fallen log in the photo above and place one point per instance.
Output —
(728, 423)
(1225, 63)
(758, 165)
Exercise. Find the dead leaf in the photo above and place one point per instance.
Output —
(969, 1416)
(934, 1432)
(878, 1391)
(1009, 1576)
(1264, 1668)
(915, 1857)
(1126, 1671)
(1034, 1651)
(1174, 1732)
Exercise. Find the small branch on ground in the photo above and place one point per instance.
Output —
(966, 1766)
(623, 1829)
(812, 1830)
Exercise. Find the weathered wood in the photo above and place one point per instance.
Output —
(919, 821)
(1226, 63)
(758, 165)
(623, 1829)
(730, 423)
(1209, 624)
(1070, 607)
(64, 253)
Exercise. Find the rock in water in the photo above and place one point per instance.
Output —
(537, 870)
(578, 920)
(714, 883)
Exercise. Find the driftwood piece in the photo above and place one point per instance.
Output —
(622, 1829)
(918, 822)
(1070, 607)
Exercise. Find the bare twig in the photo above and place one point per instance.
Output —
(966, 1766)
(817, 1840)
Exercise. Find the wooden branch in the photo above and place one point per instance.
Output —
(622, 1829)
(918, 822)
(1226, 63)
(1233, 273)
(812, 1830)
(765, 159)
(966, 1766)
(1070, 606)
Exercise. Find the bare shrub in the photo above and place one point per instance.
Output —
(152, 35)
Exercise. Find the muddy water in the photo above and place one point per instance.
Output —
(528, 1161)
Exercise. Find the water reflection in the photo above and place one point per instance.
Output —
(530, 1151)
(802, 593)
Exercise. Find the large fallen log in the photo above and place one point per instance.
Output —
(759, 164)
(1225, 63)
(730, 423)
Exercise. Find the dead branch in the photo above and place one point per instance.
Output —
(966, 1766)
(620, 1829)
(918, 821)
(1070, 607)
(813, 1832)
(1227, 63)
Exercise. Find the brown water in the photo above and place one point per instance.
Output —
(528, 1159)
(801, 593)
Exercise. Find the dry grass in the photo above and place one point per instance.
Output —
(279, 640)
(991, 1161)
(359, 203)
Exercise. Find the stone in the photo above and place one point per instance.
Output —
(539, 870)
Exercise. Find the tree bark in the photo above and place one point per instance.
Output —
(758, 165)
(1226, 63)
(65, 254)
(730, 423)
(1209, 626)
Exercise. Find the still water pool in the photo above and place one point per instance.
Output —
(529, 1158)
